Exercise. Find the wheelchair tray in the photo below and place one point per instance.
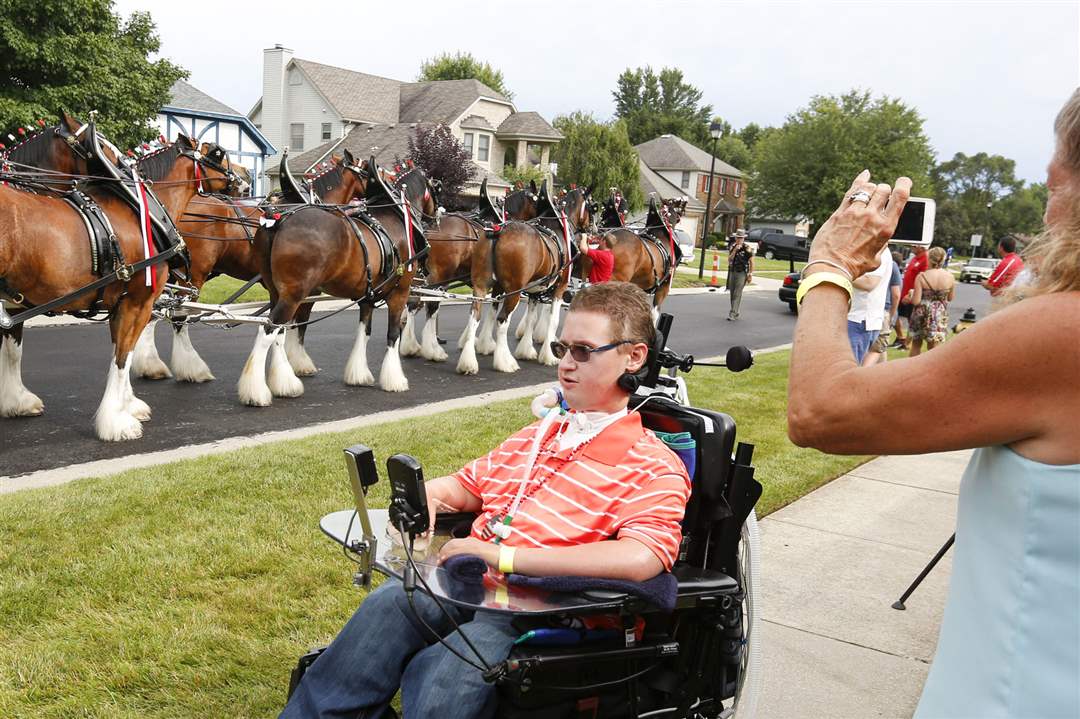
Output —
(492, 595)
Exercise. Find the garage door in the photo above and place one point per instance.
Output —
(689, 225)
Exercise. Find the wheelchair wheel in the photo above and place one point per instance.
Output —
(748, 689)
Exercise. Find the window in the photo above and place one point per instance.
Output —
(482, 148)
(685, 182)
(296, 136)
(705, 182)
(738, 188)
(468, 143)
(723, 186)
(326, 131)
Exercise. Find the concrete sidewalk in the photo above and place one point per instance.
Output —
(833, 563)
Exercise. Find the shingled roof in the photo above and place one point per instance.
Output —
(355, 95)
(528, 125)
(671, 152)
(652, 183)
(441, 100)
(184, 96)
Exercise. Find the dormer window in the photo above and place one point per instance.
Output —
(483, 149)
(468, 143)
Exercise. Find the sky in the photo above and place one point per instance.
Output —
(985, 76)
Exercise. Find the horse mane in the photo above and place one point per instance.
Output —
(157, 165)
(32, 150)
(328, 180)
(415, 181)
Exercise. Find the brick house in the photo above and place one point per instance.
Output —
(316, 110)
(686, 168)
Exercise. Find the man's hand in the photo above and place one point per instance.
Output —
(470, 545)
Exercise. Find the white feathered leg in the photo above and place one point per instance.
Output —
(187, 365)
(282, 381)
(145, 359)
(252, 386)
(357, 372)
(409, 346)
(429, 345)
(299, 359)
(547, 357)
(391, 376)
(112, 422)
(504, 361)
(543, 317)
(467, 363)
(485, 342)
(526, 321)
(15, 399)
(135, 407)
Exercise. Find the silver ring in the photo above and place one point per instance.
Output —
(860, 196)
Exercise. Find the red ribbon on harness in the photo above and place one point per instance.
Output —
(146, 226)
(198, 178)
(566, 233)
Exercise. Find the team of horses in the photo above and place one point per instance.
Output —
(84, 229)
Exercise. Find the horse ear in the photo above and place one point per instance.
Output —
(532, 186)
(69, 120)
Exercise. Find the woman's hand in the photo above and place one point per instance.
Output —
(854, 235)
(470, 545)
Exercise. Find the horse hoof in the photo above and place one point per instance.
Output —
(506, 363)
(195, 377)
(285, 385)
(309, 371)
(27, 405)
(525, 352)
(435, 356)
(396, 386)
(468, 367)
(153, 371)
(138, 409)
(547, 358)
(118, 428)
(256, 396)
(359, 379)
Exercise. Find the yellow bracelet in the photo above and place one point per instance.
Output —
(506, 559)
(832, 278)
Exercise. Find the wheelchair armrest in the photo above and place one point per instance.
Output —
(694, 581)
(456, 524)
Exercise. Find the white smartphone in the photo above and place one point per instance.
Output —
(916, 225)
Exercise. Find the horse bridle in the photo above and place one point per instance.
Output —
(589, 205)
(234, 183)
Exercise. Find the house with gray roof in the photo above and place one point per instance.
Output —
(687, 168)
(317, 110)
(205, 119)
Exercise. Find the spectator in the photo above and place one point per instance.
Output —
(1010, 266)
(740, 272)
(1010, 635)
(867, 314)
(934, 290)
(879, 350)
(915, 267)
(602, 259)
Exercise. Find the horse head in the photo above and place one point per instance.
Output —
(522, 204)
(341, 180)
(580, 208)
(54, 149)
(673, 209)
(420, 190)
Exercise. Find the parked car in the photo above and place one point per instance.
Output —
(778, 246)
(686, 246)
(788, 289)
(978, 269)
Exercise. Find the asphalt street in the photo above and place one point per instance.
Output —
(66, 367)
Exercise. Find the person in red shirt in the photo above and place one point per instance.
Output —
(602, 259)
(915, 267)
(1010, 266)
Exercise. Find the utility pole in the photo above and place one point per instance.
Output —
(714, 130)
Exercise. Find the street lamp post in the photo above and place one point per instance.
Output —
(714, 131)
(988, 218)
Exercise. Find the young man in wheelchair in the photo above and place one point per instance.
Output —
(545, 503)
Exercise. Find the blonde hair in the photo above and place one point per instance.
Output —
(1053, 257)
(937, 257)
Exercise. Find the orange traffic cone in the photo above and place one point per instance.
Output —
(715, 269)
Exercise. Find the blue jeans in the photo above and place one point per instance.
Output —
(383, 646)
(860, 339)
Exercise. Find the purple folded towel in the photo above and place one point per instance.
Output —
(661, 590)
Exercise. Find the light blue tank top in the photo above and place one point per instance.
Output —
(1010, 637)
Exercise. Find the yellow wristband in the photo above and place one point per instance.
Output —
(506, 559)
(832, 278)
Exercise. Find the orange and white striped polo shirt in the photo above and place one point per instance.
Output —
(624, 482)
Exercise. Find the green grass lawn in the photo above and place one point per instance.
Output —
(222, 287)
(760, 263)
(190, 589)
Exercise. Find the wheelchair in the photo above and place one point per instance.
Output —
(699, 661)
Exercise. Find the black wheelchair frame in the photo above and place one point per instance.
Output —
(691, 662)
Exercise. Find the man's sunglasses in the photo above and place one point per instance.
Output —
(581, 353)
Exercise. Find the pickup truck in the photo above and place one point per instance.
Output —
(774, 245)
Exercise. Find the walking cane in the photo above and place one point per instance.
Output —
(899, 603)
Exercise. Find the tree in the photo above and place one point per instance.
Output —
(598, 155)
(523, 175)
(463, 66)
(968, 183)
(435, 149)
(80, 56)
(654, 104)
(804, 167)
